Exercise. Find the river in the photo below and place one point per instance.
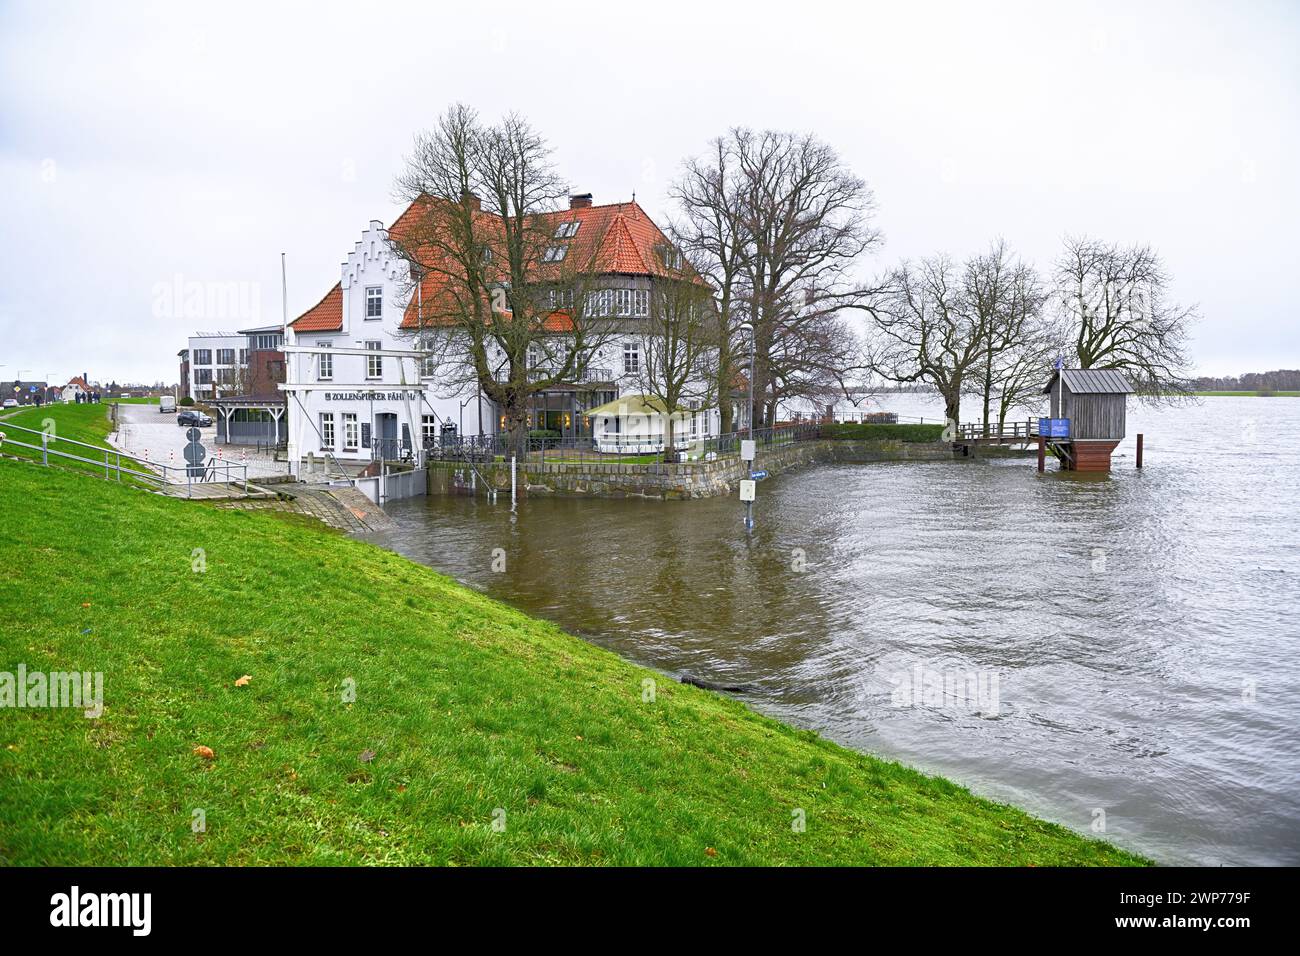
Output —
(1120, 652)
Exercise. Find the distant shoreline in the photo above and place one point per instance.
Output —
(1249, 394)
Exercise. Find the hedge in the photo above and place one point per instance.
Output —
(867, 432)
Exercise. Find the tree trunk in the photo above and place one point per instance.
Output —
(517, 427)
(724, 395)
(952, 407)
(669, 453)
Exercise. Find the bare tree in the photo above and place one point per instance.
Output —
(712, 234)
(1006, 298)
(928, 332)
(679, 348)
(782, 222)
(1114, 300)
(498, 293)
(809, 219)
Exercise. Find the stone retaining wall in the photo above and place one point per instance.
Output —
(694, 480)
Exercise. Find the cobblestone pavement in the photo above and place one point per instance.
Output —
(343, 508)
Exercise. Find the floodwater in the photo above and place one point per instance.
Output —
(1117, 652)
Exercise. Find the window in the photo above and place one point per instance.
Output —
(374, 302)
(487, 254)
(560, 298)
(225, 356)
(631, 302)
(631, 358)
(555, 253)
(243, 356)
(326, 363)
(429, 428)
(203, 356)
(203, 376)
(374, 363)
(350, 431)
(672, 259)
(567, 230)
(327, 430)
(226, 376)
(270, 340)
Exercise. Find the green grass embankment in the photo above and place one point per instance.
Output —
(393, 716)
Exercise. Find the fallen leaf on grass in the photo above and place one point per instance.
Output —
(85, 604)
(710, 851)
(205, 752)
(366, 756)
(243, 681)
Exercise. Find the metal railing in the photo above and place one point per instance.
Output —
(1006, 432)
(607, 448)
(112, 461)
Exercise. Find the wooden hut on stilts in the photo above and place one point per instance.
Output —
(1088, 416)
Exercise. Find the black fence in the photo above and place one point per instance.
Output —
(613, 449)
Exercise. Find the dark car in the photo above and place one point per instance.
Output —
(191, 417)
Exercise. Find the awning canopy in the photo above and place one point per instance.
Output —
(633, 405)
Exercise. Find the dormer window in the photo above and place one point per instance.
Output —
(671, 258)
(374, 302)
(567, 230)
(555, 253)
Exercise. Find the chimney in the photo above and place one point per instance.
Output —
(580, 201)
(471, 201)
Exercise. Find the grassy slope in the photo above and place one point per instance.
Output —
(86, 423)
(467, 705)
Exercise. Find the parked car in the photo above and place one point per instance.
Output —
(190, 417)
(11, 403)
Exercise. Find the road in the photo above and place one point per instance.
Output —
(145, 432)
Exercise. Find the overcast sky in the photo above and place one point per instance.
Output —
(145, 145)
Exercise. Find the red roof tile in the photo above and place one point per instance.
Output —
(325, 316)
(619, 238)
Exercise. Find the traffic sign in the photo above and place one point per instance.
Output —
(758, 475)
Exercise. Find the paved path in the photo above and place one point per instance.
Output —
(142, 428)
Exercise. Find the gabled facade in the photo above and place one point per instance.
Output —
(362, 381)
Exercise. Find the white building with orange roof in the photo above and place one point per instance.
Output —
(364, 382)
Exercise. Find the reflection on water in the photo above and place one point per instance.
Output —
(1124, 644)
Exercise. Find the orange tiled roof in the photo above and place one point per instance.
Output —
(325, 316)
(79, 382)
(619, 238)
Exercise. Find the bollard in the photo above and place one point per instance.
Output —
(1042, 452)
(1139, 453)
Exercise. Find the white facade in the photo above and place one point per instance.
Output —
(71, 391)
(364, 390)
(215, 359)
(358, 393)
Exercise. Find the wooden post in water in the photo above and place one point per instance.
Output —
(1042, 452)
(1139, 455)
